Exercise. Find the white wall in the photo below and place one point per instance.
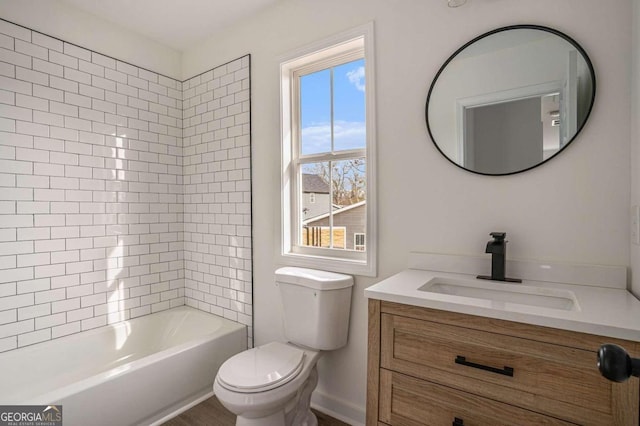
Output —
(635, 141)
(57, 19)
(574, 208)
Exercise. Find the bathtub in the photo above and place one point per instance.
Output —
(142, 371)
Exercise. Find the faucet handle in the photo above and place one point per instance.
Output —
(498, 236)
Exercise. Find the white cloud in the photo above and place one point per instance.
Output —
(346, 135)
(344, 130)
(356, 77)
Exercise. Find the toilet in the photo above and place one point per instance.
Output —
(271, 384)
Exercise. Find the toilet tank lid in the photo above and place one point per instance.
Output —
(313, 278)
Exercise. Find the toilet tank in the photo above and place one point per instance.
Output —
(316, 307)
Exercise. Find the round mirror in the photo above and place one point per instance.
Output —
(510, 99)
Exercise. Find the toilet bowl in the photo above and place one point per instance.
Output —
(269, 385)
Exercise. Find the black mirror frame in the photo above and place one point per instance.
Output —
(498, 30)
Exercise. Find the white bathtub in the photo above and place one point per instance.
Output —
(141, 371)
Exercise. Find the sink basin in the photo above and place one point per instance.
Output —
(501, 294)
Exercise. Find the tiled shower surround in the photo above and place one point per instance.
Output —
(117, 197)
(217, 192)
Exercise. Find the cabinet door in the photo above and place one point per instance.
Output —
(555, 380)
(408, 401)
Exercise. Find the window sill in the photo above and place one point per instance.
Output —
(328, 263)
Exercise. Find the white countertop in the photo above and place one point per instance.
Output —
(610, 312)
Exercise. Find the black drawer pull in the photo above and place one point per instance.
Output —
(507, 371)
(457, 422)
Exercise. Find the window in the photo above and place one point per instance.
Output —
(328, 185)
(359, 242)
(324, 236)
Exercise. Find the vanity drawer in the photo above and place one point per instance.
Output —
(547, 378)
(405, 400)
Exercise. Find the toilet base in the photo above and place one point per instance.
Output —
(309, 420)
(275, 419)
(296, 412)
(302, 415)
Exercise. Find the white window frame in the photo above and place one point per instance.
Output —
(338, 260)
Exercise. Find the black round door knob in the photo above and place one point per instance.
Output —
(615, 363)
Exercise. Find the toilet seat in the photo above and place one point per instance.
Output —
(262, 368)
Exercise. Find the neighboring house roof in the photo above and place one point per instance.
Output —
(314, 183)
(335, 212)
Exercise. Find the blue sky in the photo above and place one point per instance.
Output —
(349, 109)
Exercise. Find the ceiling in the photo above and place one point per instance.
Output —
(178, 24)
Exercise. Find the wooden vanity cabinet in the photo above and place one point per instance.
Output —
(431, 367)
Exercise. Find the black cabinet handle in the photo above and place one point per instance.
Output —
(457, 422)
(615, 363)
(507, 371)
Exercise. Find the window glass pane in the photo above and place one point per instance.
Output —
(349, 106)
(315, 112)
(349, 183)
(314, 216)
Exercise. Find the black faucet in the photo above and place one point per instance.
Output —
(498, 249)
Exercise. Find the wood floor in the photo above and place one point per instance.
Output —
(211, 413)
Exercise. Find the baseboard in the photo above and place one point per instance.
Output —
(180, 408)
(338, 409)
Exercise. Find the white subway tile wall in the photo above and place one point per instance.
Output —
(217, 192)
(92, 198)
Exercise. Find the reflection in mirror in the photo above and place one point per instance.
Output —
(510, 99)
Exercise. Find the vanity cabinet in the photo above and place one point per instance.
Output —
(432, 367)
